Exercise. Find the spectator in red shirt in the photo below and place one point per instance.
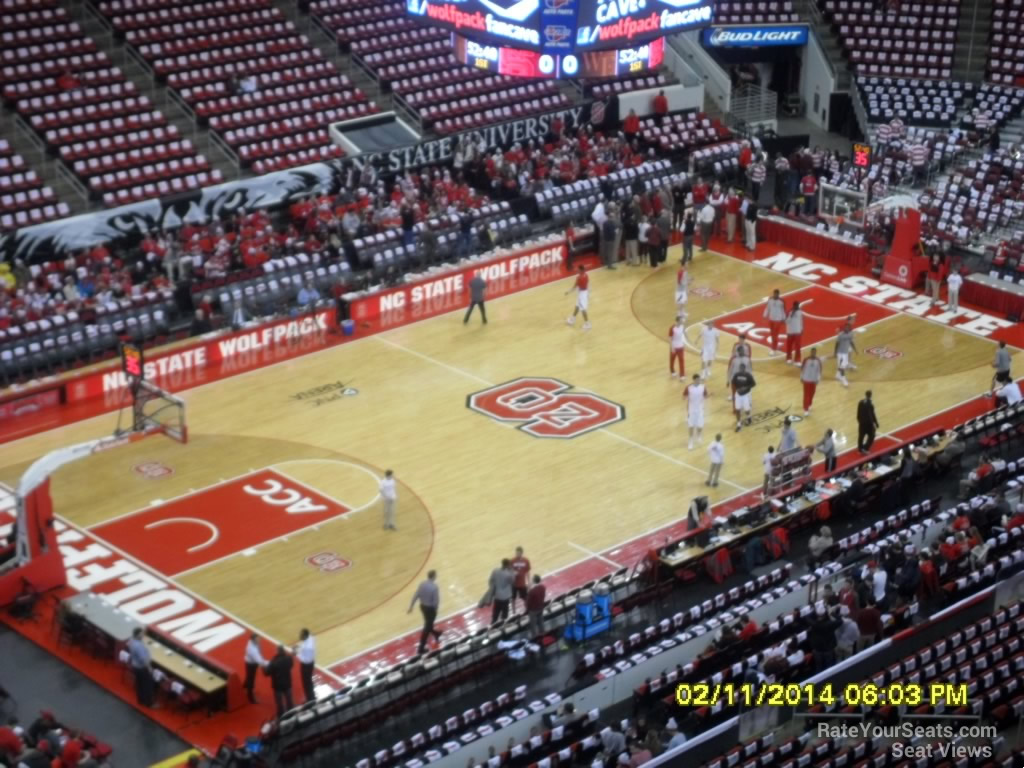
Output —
(973, 479)
(660, 107)
(700, 194)
(535, 606)
(869, 622)
(809, 189)
(10, 743)
(746, 156)
(521, 567)
(732, 210)
(68, 81)
(848, 597)
(748, 627)
(631, 125)
(951, 549)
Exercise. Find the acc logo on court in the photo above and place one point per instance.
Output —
(328, 562)
(884, 353)
(705, 292)
(153, 469)
(545, 408)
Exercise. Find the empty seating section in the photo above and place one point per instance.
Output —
(630, 83)
(23, 198)
(242, 67)
(417, 64)
(87, 112)
(683, 131)
(997, 103)
(979, 198)
(1006, 54)
(915, 102)
(756, 12)
(575, 201)
(917, 40)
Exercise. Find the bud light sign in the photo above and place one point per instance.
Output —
(755, 37)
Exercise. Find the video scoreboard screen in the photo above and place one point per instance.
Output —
(562, 27)
(517, 62)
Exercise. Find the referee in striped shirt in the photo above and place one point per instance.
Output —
(429, 597)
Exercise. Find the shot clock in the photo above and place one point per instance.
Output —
(131, 361)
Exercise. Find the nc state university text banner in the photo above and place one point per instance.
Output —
(442, 293)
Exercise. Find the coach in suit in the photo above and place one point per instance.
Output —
(279, 670)
(867, 423)
(477, 294)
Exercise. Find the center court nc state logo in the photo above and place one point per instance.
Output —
(545, 408)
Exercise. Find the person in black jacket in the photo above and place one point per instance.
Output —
(867, 423)
(822, 636)
(279, 670)
(689, 228)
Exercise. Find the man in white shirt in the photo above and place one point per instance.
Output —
(388, 497)
(716, 452)
(253, 661)
(953, 283)
(598, 216)
(305, 652)
(876, 578)
(1010, 393)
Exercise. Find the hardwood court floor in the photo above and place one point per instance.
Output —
(473, 488)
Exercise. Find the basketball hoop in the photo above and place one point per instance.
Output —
(37, 557)
(155, 410)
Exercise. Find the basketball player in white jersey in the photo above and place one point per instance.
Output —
(844, 348)
(677, 345)
(708, 347)
(682, 291)
(695, 395)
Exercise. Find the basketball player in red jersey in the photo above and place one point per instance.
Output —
(582, 288)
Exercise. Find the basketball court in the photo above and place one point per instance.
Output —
(521, 432)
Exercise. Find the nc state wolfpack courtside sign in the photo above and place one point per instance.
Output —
(544, 407)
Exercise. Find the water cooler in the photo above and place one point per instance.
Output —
(593, 614)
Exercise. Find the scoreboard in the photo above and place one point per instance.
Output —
(518, 62)
(563, 30)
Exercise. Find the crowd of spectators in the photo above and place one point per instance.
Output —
(107, 278)
(564, 155)
(46, 743)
